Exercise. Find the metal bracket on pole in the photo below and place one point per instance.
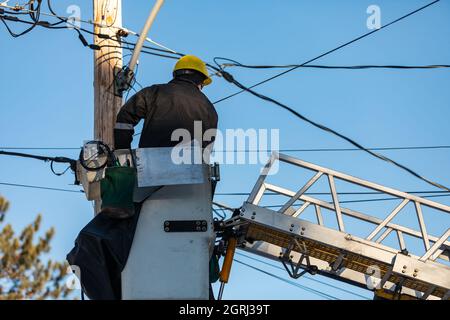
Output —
(123, 81)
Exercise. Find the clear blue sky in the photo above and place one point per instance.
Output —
(47, 101)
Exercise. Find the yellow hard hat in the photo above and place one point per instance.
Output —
(191, 62)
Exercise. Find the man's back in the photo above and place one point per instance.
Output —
(164, 108)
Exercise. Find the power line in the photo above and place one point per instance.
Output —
(344, 201)
(39, 187)
(292, 283)
(222, 194)
(268, 150)
(230, 79)
(305, 276)
(328, 52)
(373, 149)
(392, 198)
(69, 21)
(72, 163)
(358, 67)
(38, 148)
(178, 54)
(22, 11)
(264, 150)
(328, 193)
(170, 51)
(34, 16)
(125, 31)
(365, 200)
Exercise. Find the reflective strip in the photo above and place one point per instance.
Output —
(124, 126)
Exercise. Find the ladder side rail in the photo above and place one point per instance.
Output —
(354, 214)
(364, 183)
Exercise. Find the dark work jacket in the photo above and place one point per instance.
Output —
(102, 247)
(164, 108)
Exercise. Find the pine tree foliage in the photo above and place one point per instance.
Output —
(25, 271)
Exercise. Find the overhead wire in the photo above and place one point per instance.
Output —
(305, 276)
(292, 283)
(22, 10)
(329, 51)
(227, 76)
(171, 51)
(365, 200)
(72, 162)
(167, 50)
(70, 21)
(266, 206)
(230, 78)
(39, 187)
(292, 67)
(357, 67)
(34, 16)
(329, 193)
(267, 150)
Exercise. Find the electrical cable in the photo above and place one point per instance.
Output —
(358, 67)
(235, 63)
(279, 151)
(292, 283)
(23, 11)
(425, 196)
(330, 51)
(222, 215)
(35, 17)
(392, 198)
(366, 200)
(39, 187)
(328, 193)
(305, 276)
(268, 206)
(230, 79)
(72, 163)
(121, 32)
(37, 148)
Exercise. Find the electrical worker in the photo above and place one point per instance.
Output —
(167, 107)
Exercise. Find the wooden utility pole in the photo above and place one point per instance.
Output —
(107, 62)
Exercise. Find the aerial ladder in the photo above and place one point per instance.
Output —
(176, 228)
(363, 257)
